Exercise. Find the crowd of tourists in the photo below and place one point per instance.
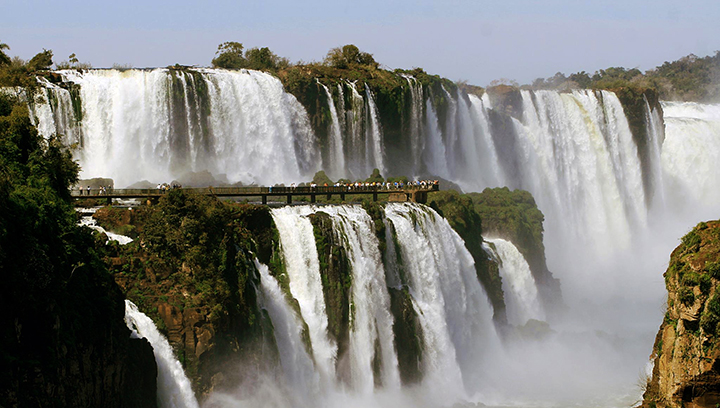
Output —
(102, 190)
(374, 185)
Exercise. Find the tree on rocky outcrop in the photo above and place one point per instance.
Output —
(4, 58)
(229, 55)
(41, 61)
(349, 55)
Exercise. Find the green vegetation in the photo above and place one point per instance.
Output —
(59, 302)
(349, 56)
(230, 55)
(690, 78)
(4, 58)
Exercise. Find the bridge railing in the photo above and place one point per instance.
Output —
(251, 190)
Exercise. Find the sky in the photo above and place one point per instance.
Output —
(477, 41)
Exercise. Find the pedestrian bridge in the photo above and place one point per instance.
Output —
(407, 193)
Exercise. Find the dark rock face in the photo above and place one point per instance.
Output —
(686, 353)
(51, 361)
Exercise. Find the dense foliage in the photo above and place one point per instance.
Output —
(690, 78)
(230, 55)
(58, 300)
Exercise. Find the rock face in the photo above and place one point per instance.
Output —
(687, 350)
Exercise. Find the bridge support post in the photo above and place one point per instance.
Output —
(329, 197)
(342, 197)
(375, 196)
(264, 199)
(289, 198)
(312, 198)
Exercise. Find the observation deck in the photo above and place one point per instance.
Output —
(407, 193)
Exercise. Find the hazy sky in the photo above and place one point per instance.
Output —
(473, 40)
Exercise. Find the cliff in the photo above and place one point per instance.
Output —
(686, 353)
(191, 270)
(63, 339)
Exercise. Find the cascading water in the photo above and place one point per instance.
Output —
(336, 166)
(240, 124)
(519, 286)
(451, 305)
(297, 365)
(690, 154)
(371, 320)
(174, 389)
(301, 261)
(374, 136)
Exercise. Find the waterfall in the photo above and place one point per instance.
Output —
(90, 222)
(355, 118)
(371, 320)
(579, 161)
(452, 307)
(374, 137)
(174, 389)
(434, 154)
(297, 365)
(301, 261)
(519, 287)
(336, 167)
(655, 138)
(690, 154)
(240, 125)
(416, 122)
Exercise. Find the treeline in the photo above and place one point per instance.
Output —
(690, 78)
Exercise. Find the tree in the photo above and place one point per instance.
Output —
(229, 55)
(349, 55)
(4, 58)
(41, 61)
(264, 59)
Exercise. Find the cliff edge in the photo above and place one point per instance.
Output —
(686, 354)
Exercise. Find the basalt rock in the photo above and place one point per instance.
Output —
(686, 354)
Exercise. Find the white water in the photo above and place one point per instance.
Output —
(174, 389)
(90, 222)
(336, 167)
(519, 287)
(452, 307)
(374, 136)
(690, 156)
(247, 128)
(298, 368)
(371, 320)
(301, 262)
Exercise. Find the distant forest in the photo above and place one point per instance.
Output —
(691, 78)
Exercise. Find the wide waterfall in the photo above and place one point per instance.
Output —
(458, 334)
(240, 126)
(174, 389)
(614, 202)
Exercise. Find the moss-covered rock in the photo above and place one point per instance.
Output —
(191, 269)
(687, 347)
(514, 216)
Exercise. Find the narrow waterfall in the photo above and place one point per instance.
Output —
(416, 122)
(301, 261)
(297, 365)
(655, 138)
(490, 172)
(336, 166)
(355, 124)
(519, 286)
(174, 389)
(452, 307)
(435, 154)
(374, 136)
(690, 154)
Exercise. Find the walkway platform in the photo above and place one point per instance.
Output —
(414, 194)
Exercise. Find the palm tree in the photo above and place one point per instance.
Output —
(4, 58)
